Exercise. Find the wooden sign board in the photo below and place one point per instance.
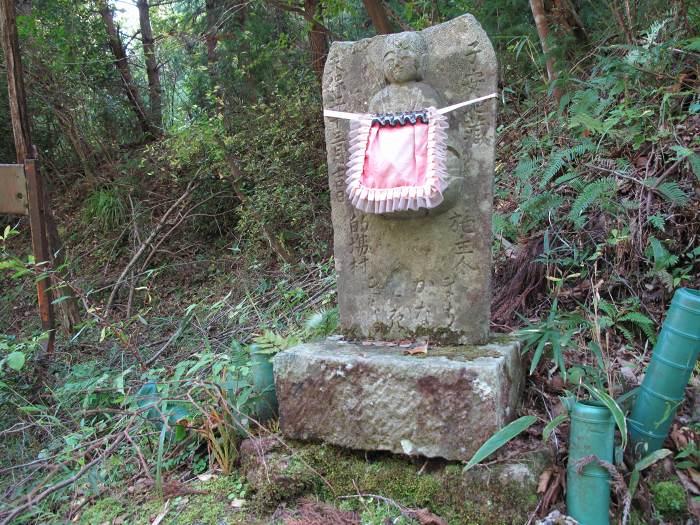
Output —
(13, 189)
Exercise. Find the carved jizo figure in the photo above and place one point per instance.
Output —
(403, 65)
(400, 157)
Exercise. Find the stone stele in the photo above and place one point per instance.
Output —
(426, 273)
(444, 404)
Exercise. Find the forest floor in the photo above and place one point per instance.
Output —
(235, 299)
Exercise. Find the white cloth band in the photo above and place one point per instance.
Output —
(357, 116)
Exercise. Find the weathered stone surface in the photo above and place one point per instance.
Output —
(424, 273)
(445, 404)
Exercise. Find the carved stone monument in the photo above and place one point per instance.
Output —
(426, 273)
(420, 274)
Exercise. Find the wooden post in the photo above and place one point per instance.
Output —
(40, 247)
(39, 211)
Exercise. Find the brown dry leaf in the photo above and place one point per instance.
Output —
(687, 482)
(550, 495)
(694, 475)
(425, 517)
(544, 481)
(417, 350)
(678, 437)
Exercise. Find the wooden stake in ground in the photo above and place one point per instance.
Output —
(24, 149)
(23, 141)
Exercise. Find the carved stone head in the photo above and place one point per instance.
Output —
(404, 58)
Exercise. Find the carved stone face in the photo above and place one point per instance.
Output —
(403, 58)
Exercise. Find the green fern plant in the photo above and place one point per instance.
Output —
(599, 192)
(556, 334)
(625, 319)
(561, 158)
(321, 324)
(270, 342)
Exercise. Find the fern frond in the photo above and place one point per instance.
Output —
(657, 221)
(637, 318)
(673, 193)
(560, 158)
(526, 167)
(592, 192)
(624, 331)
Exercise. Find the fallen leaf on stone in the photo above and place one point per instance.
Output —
(420, 349)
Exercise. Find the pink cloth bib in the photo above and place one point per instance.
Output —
(397, 163)
(396, 156)
(397, 168)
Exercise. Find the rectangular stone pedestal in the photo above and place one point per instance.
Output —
(446, 403)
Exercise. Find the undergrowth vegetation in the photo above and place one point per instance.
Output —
(190, 253)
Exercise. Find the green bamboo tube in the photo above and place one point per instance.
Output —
(588, 493)
(266, 406)
(667, 375)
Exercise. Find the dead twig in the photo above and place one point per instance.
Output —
(34, 500)
(145, 244)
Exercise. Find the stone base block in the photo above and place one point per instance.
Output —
(445, 404)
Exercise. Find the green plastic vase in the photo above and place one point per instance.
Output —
(266, 406)
(667, 375)
(588, 493)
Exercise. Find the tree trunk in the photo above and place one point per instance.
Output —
(570, 20)
(378, 15)
(543, 32)
(211, 8)
(318, 39)
(15, 83)
(122, 65)
(149, 53)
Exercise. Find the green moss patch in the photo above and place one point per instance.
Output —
(495, 496)
(668, 498)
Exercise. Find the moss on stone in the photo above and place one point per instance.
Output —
(489, 496)
(669, 499)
